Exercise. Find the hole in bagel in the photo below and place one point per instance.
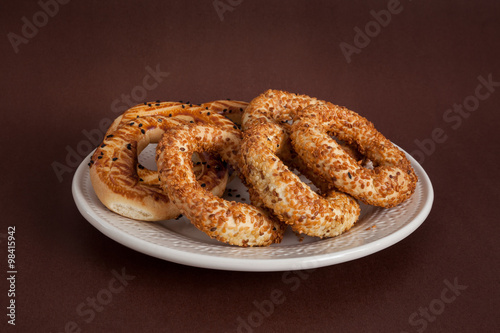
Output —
(147, 159)
(353, 151)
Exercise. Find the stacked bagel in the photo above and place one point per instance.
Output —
(262, 142)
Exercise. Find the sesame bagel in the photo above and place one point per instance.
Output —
(230, 222)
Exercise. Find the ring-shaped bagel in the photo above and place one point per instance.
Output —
(392, 180)
(114, 165)
(279, 107)
(229, 222)
(280, 190)
(232, 110)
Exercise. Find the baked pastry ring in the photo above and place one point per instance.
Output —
(280, 190)
(178, 112)
(116, 174)
(230, 222)
(390, 182)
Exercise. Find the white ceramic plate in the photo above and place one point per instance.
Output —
(179, 241)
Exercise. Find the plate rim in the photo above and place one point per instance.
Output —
(203, 260)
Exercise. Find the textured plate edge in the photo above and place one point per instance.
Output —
(253, 265)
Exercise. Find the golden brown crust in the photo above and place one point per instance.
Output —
(116, 175)
(230, 222)
(391, 182)
(285, 194)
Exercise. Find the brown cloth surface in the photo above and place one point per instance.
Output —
(426, 73)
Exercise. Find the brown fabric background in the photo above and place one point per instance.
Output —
(65, 79)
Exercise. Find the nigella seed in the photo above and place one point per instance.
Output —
(208, 113)
(241, 109)
(140, 166)
(132, 123)
(157, 104)
(140, 125)
(170, 115)
(213, 229)
(206, 108)
(129, 146)
(102, 153)
(158, 101)
(182, 149)
(115, 158)
(349, 174)
(208, 166)
(190, 105)
(143, 131)
(203, 185)
(191, 121)
(88, 164)
(110, 136)
(237, 195)
(99, 157)
(149, 104)
(235, 127)
(183, 106)
(103, 145)
(141, 180)
(145, 103)
(160, 120)
(224, 110)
